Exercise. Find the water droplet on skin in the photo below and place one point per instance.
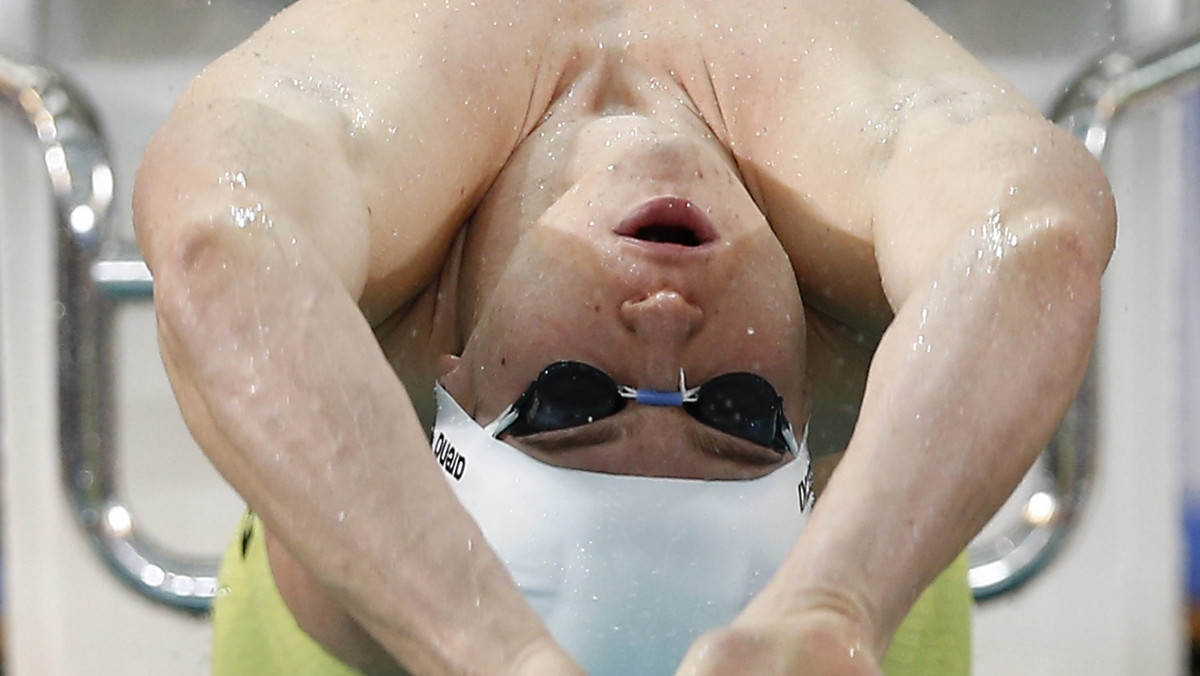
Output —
(234, 180)
(750, 330)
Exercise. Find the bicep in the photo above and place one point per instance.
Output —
(363, 129)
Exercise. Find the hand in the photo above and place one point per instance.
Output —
(819, 642)
(545, 658)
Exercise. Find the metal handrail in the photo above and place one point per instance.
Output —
(94, 276)
(1123, 77)
(1089, 107)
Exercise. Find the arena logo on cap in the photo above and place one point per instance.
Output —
(448, 457)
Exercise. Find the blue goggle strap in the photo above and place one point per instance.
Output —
(661, 397)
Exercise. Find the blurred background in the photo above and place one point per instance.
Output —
(1116, 600)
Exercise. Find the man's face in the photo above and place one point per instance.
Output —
(633, 246)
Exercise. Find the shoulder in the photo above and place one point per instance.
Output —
(818, 100)
(400, 111)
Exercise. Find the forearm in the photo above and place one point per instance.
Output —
(965, 389)
(284, 386)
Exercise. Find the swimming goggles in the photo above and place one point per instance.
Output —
(571, 393)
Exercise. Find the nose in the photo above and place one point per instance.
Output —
(664, 317)
(663, 321)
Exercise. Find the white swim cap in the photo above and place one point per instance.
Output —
(625, 571)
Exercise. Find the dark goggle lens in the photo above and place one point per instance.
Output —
(740, 404)
(566, 394)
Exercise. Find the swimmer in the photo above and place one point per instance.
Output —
(367, 199)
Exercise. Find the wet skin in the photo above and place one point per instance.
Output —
(457, 194)
(646, 255)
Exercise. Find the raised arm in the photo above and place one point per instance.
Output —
(994, 325)
(989, 230)
(996, 279)
(308, 185)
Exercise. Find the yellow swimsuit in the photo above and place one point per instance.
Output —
(255, 635)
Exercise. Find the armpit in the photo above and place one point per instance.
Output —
(838, 360)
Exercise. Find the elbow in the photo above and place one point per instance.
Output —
(210, 258)
(1054, 293)
(191, 267)
(1074, 243)
(1089, 213)
(1077, 260)
(1069, 203)
(1064, 233)
(181, 251)
(205, 267)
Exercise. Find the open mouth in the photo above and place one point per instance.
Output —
(667, 234)
(668, 220)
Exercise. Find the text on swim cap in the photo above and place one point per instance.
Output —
(448, 457)
(805, 490)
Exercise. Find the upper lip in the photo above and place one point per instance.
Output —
(676, 216)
